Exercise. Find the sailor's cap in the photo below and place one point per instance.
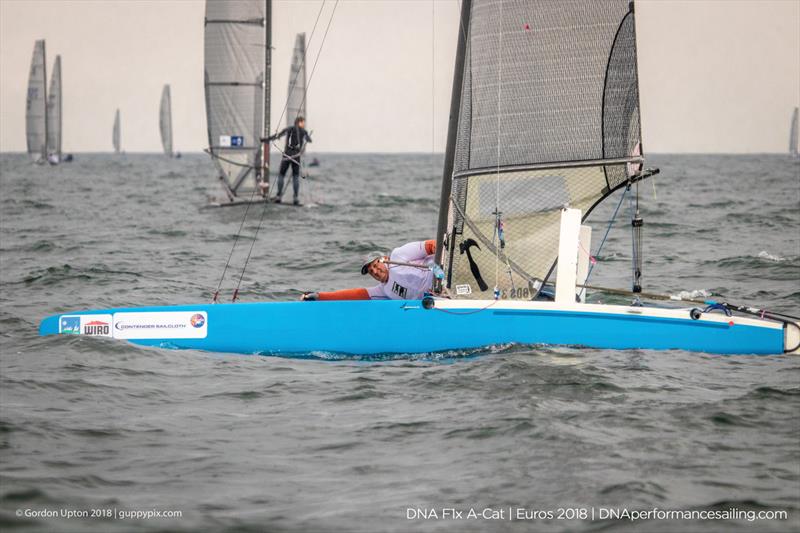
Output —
(368, 260)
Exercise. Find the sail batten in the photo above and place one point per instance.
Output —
(236, 85)
(548, 117)
(36, 105)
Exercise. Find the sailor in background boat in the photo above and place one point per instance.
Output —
(296, 138)
(405, 274)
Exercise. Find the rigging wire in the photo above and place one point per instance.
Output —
(602, 242)
(433, 85)
(497, 178)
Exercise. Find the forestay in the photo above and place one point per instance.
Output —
(548, 117)
(165, 120)
(36, 105)
(235, 86)
(54, 111)
(296, 101)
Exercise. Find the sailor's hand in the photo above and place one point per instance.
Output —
(309, 296)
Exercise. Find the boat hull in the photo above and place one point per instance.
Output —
(377, 327)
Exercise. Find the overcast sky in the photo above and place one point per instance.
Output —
(716, 76)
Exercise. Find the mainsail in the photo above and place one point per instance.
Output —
(165, 121)
(547, 116)
(115, 136)
(296, 101)
(36, 106)
(793, 135)
(54, 112)
(237, 40)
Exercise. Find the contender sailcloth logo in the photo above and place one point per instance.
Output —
(161, 325)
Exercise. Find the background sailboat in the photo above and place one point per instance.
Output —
(115, 135)
(793, 148)
(237, 89)
(297, 96)
(296, 99)
(165, 121)
(54, 115)
(36, 105)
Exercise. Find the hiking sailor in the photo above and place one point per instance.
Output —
(296, 138)
(405, 274)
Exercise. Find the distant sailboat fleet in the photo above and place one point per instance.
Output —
(231, 103)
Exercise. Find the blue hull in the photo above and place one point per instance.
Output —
(376, 327)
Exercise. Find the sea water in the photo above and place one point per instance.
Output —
(100, 435)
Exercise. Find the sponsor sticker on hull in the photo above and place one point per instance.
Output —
(161, 325)
(92, 325)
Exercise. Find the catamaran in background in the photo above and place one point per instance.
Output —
(43, 111)
(165, 121)
(297, 99)
(793, 146)
(544, 125)
(54, 115)
(238, 41)
(115, 134)
(36, 105)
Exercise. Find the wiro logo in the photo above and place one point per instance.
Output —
(197, 320)
(96, 327)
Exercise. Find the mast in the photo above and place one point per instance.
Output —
(44, 70)
(452, 126)
(57, 69)
(264, 170)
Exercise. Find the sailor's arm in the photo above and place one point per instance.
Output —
(344, 294)
(414, 251)
(276, 136)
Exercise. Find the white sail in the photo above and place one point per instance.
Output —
(115, 136)
(793, 148)
(296, 100)
(236, 87)
(54, 114)
(36, 106)
(165, 121)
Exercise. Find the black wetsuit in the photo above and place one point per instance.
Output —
(296, 138)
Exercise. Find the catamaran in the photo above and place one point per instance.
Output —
(54, 115)
(793, 146)
(115, 134)
(165, 121)
(544, 125)
(238, 41)
(36, 105)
